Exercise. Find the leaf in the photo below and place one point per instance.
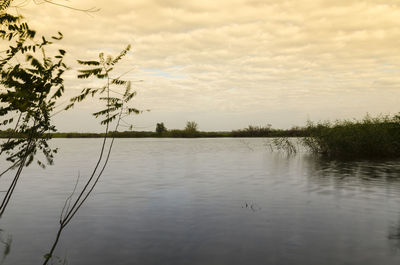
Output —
(88, 62)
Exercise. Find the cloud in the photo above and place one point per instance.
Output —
(242, 56)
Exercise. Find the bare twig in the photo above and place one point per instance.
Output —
(11, 167)
(85, 10)
(68, 200)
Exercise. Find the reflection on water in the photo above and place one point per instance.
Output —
(394, 235)
(5, 245)
(210, 201)
(378, 180)
(368, 176)
(385, 171)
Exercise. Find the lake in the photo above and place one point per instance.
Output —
(207, 201)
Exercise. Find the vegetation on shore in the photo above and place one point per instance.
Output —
(251, 131)
(371, 137)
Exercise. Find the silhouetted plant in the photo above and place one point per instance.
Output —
(191, 126)
(4, 4)
(370, 137)
(115, 110)
(31, 84)
(160, 128)
(284, 144)
(254, 131)
(191, 129)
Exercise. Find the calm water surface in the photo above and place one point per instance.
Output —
(208, 201)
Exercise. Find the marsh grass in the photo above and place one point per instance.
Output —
(371, 137)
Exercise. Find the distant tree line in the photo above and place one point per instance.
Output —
(190, 131)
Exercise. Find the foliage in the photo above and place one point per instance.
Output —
(5, 4)
(191, 127)
(268, 131)
(160, 128)
(115, 110)
(283, 144)
(31, 82)
(29, 89)
(370, 137)
(253, 131)
(293, 132)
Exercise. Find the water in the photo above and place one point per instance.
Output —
(208, 201)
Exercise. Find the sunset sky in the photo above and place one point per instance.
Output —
(227, 64)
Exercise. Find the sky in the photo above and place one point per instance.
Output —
(227, 64)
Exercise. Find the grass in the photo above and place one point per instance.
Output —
(371, 137)
(267, 131)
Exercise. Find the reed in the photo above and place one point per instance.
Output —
(371, 137)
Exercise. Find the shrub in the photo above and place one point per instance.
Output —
(369, 137)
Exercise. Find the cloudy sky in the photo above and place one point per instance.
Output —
(228, 64)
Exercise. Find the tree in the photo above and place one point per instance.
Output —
(191, 127)
(31, 82)
(115, 110)
(30, 85)
(160, 128)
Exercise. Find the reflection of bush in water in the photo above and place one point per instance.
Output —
(6, 245)
(346, 174)
(394, 235)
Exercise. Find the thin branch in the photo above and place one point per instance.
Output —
(87, 10)
(96, 167)
(68, 200)
(10, 190)
(98, 176)
(127, 72)
(68, 213)
(9, 138)
(8, 169)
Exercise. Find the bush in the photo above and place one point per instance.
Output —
(371, 137)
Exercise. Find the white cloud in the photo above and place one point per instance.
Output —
(242, 56)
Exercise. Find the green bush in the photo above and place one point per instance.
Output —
(371, 137)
